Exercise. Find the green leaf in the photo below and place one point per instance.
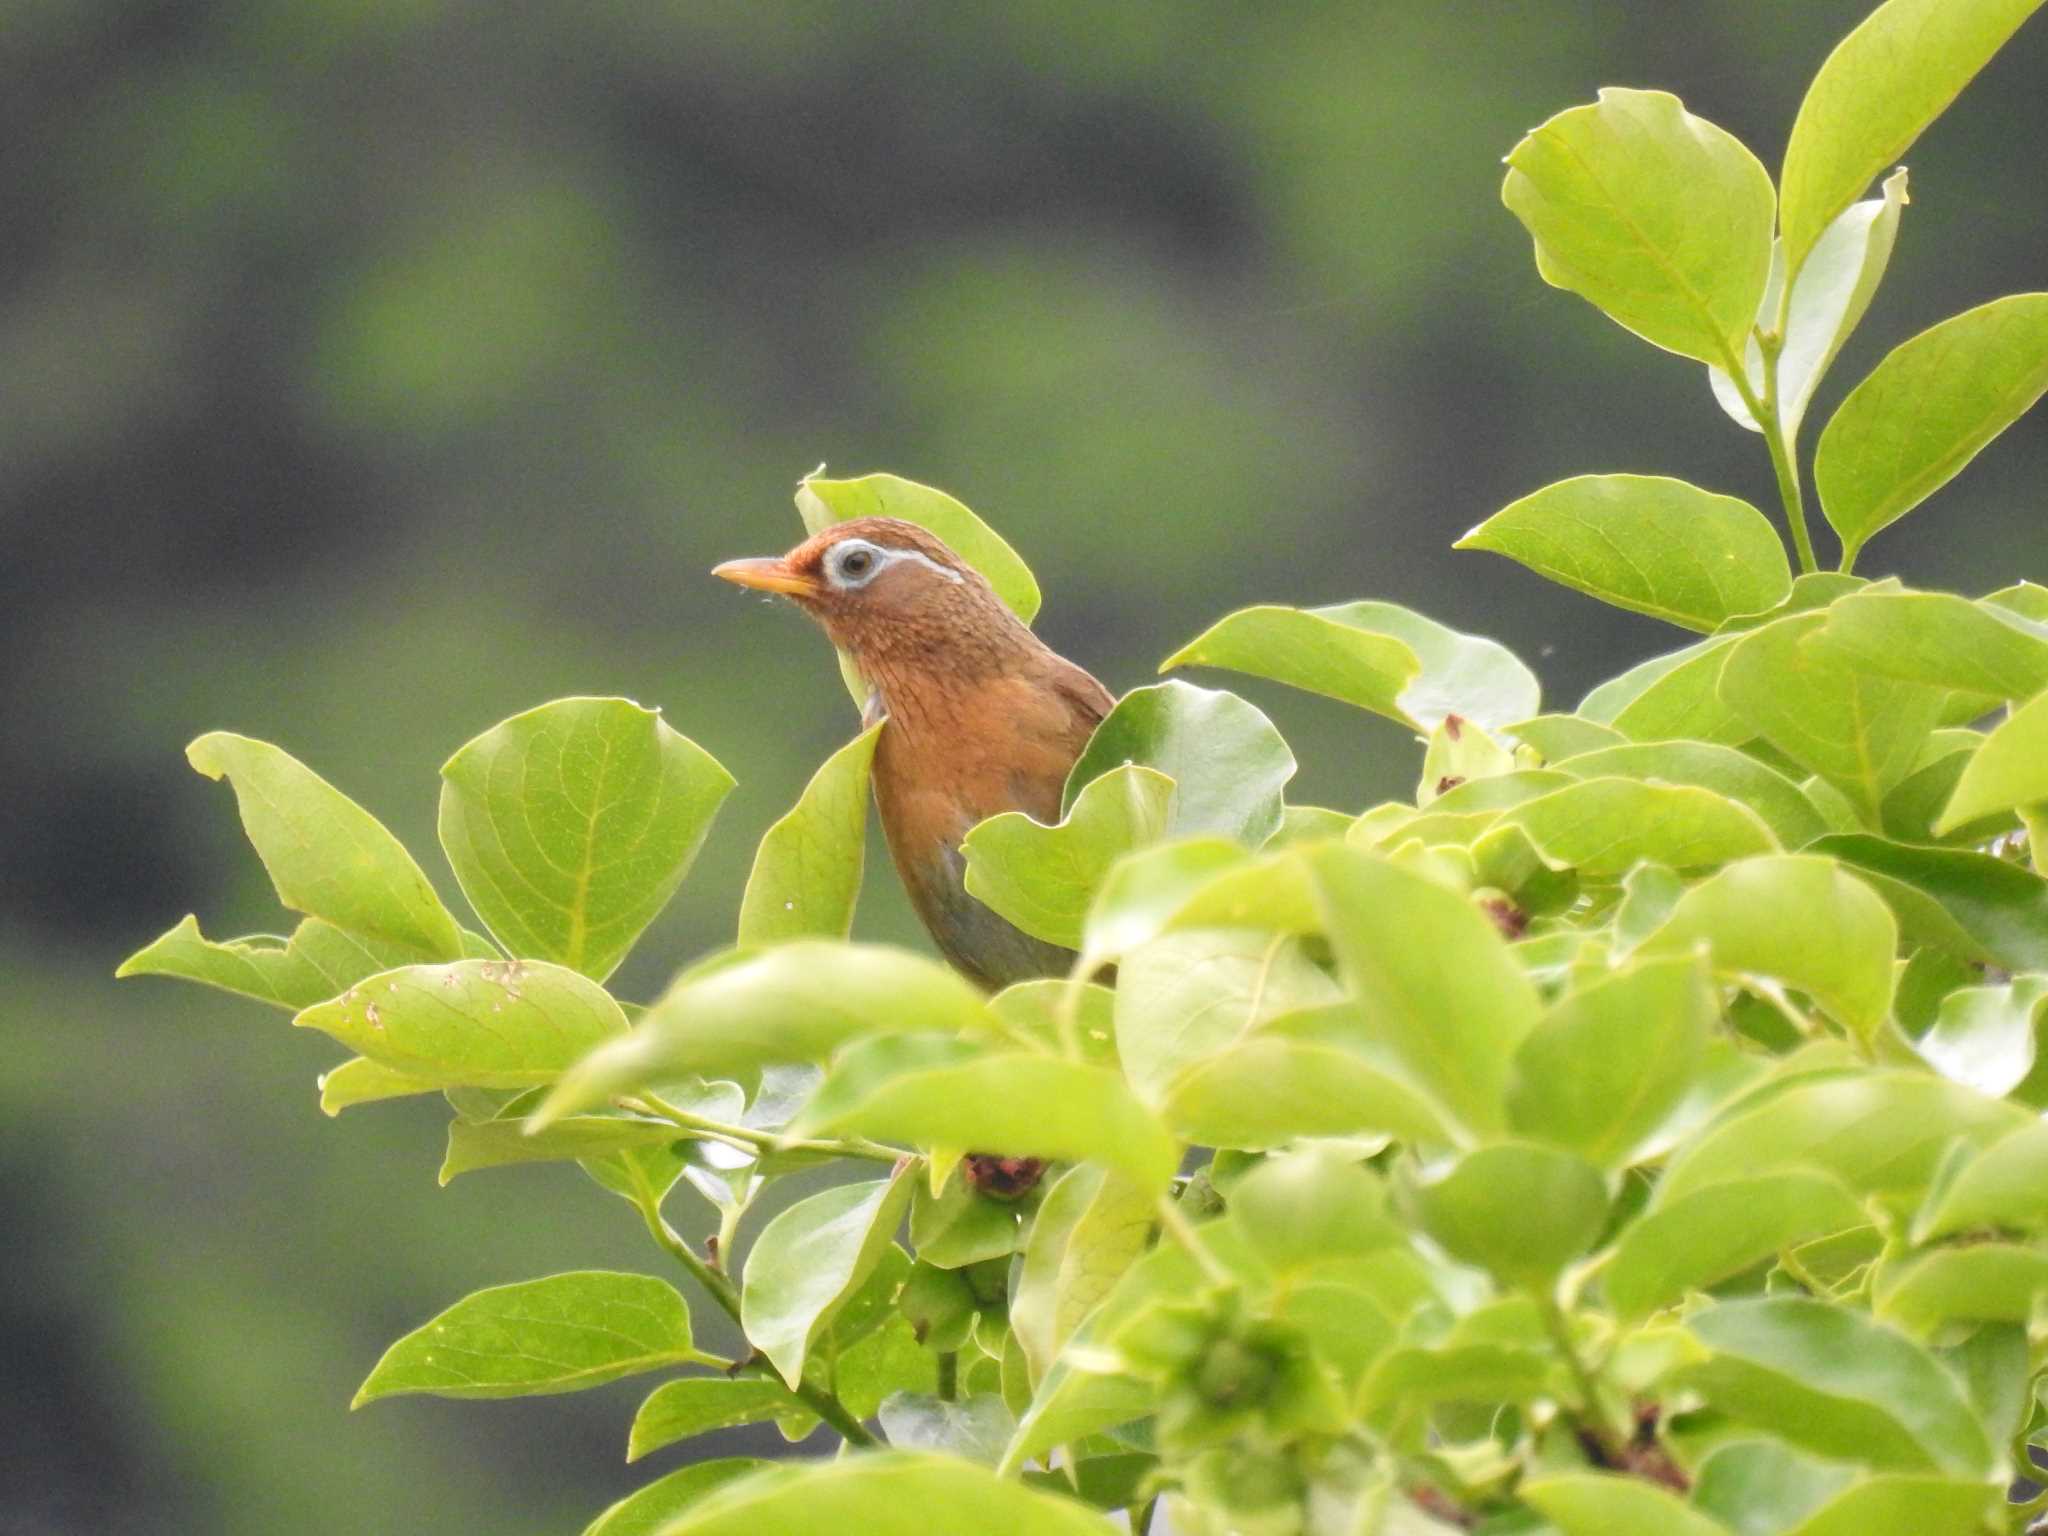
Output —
(475, 1145)
(1414, 1377)
(648, 1511)
(328, 857)
(318, 961)
(1146, 891)
(1520, 1211)
(1939, 639)
(1928, 409)
(1835, 286)
(1187, 994)
(1278, 1087)
(560, 1334)
(1737, 775)
(886, 1493)
(1798, 919)
(1035, 1012)
(1988, 1037)
(1981, 907)
(1601, 1504)
(1658, 217)
(1604, 1070)
(1022, 1104)
(1719, 1230)
(1762, 1487)
(822, 502)
(693, 1405)
(1042, 879)
(1985, 1282)
(2005, 1185)
(1313, 1208)
(1557, 738)
(1604, 827)
(961, 1226)
(1378, 656)
(570, 826)
(1896, 1504)
(1227, 762)
(1672, 698)
(1091, 1228)
(1879, 1132)
(974, 1428)
(1883, 84)
(2010, 770)
(486, 1023)
(793, 1003)
(1834, 1382)
(1645, 543)
(1446, 1000)
(360, 1080)
(807, 871)
(811, 1258)
(1860, 733)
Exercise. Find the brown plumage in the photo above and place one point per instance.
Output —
(982, 716)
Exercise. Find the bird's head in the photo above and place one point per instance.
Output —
(882, 588)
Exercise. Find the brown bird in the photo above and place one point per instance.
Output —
(983, 716)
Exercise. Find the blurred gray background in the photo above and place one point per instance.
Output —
(371, 370)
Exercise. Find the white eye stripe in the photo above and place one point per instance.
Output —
(881, 557)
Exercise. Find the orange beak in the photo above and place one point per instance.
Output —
(767, 574)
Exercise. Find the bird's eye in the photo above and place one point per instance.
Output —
(856, 563)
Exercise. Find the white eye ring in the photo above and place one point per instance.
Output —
(856, 563)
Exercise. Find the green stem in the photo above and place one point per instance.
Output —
(1176, 1223)
(721, 1290)
(1764, 412)
(949, 1375)
(1588, 1417)
(746, 1139)
(1141, 1521)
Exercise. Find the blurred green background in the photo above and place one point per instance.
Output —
(370, 370)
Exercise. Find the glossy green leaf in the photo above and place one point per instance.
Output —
(1939, 639)
(570, 826)
(2009, 771)
(806, 874)
(1878, 1132)
(1023, 1104)
(793, 1003)
(1145, 891)
(317, 962)
(885, 1493)
(692, 1405)
(1980, 907)
(821, 502)
(1645, 543)
(960, 1226)
(1605, 1068)
(811, 1258)
(1988, 1037)
(1861, 733)
(486, 1023)
(1834, 1382)
(1984, 1282)
(1606, 826)
(1798, 919)
(1718, 1230)
(1043, 879)
(2005, 1185)
(1315, 1207)
(1897, 1504)
(1883, 84)
(1556, 738)
(974, 1428)
(1764, 1487)
(649, 1510)
(1037, 1011)
(1227, 762)
(1602, 1504)
(1737, 775)
(360, 1080)
(1414, 1377)
(1378, 656)
(1518, 1210)
(1658, 217)
(1092, 1227)
(1929, 408)
(1276, 1088)
(1187, 994)
(328, 857)
(475, 1145)
(1835, 286)
(1442, 996)
(560, 1334)
(1671, 698)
